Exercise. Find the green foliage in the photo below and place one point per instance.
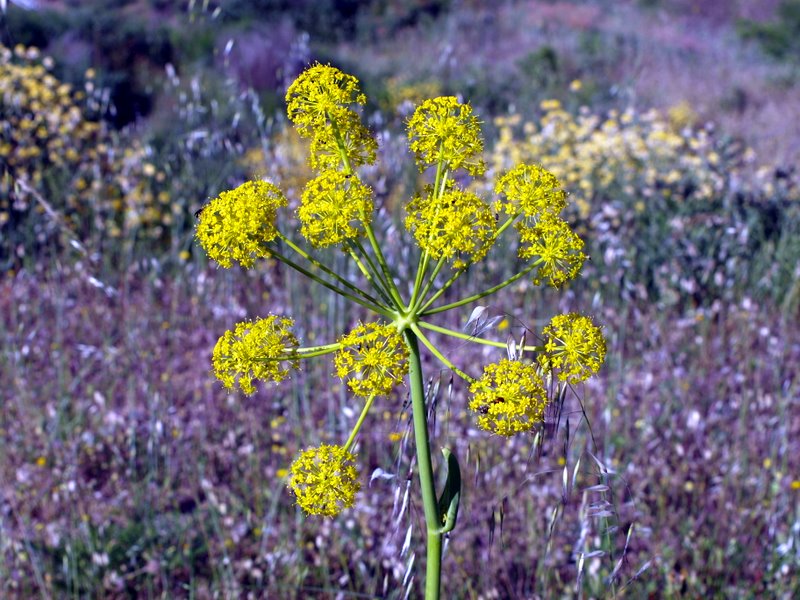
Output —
(779, 39)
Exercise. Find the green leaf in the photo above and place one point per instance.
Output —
(451, 494)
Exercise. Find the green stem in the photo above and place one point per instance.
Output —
(358, 424)
(428, 285)
(483, 294)
(435, 351)
(474, 338)
(302, 353)
(433, 565)
(326, 269)
(348, 169)
(368, 276)
(387, 273)
(376, 307)
(460, 272)
(379, 283)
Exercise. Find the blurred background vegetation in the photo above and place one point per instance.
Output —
(675, 127)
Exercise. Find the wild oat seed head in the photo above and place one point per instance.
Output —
(574, 345)
(531, 191)
(556, 248)
(264, 349)
(238, 224)
(334, 208)
(319, 94)
(458, 225)
(443, 128)
(510, 398)
(359, 144)
(324, 480)
(373, 359)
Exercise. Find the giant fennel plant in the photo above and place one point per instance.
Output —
(453, 229)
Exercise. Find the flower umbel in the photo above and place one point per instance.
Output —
(238, 224)
(510, 397)
(444, 129)
(258, 350)
(556, 248)
(356, 140)
(319, 94)
(574, 345)
(334, 208)
(324, 480)
(456, 223)
(530, 190)
(373, 359)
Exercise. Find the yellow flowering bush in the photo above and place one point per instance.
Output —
(51, 138)
(674, 212)
(600, 157)
(451, 229)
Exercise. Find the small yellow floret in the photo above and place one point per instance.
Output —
(324, 480)
(531, 191)
(574, 346)
(510, 398)
(457, 225)
(319, 94)
(444, 129)
(373, 359)
(556, 248)
(238, 224)
(257, 350)
(334, 209)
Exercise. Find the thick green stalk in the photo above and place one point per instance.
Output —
(433, 565)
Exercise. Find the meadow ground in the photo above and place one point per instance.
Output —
(126, 470)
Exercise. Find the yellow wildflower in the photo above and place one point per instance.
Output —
(556, 248)
(237, 225)
(373, 359)
(510, 398)
(319, 94)
(334, 208)
(324, 480)
(456, 225)
(444, 129)
(574, 345)
(255, 350)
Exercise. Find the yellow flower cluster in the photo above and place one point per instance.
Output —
(336, 206)
(597, 157)
(574, 345)
(320, 94)
(356, 139)
(334, 209)
(456, 225)
(445, 129)
(536, 194)
(238, 224)
(50, 139)
(510, 398)
(256, 350)
(373, 359)
(324, 480)
(531, 191)
(555, 248)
